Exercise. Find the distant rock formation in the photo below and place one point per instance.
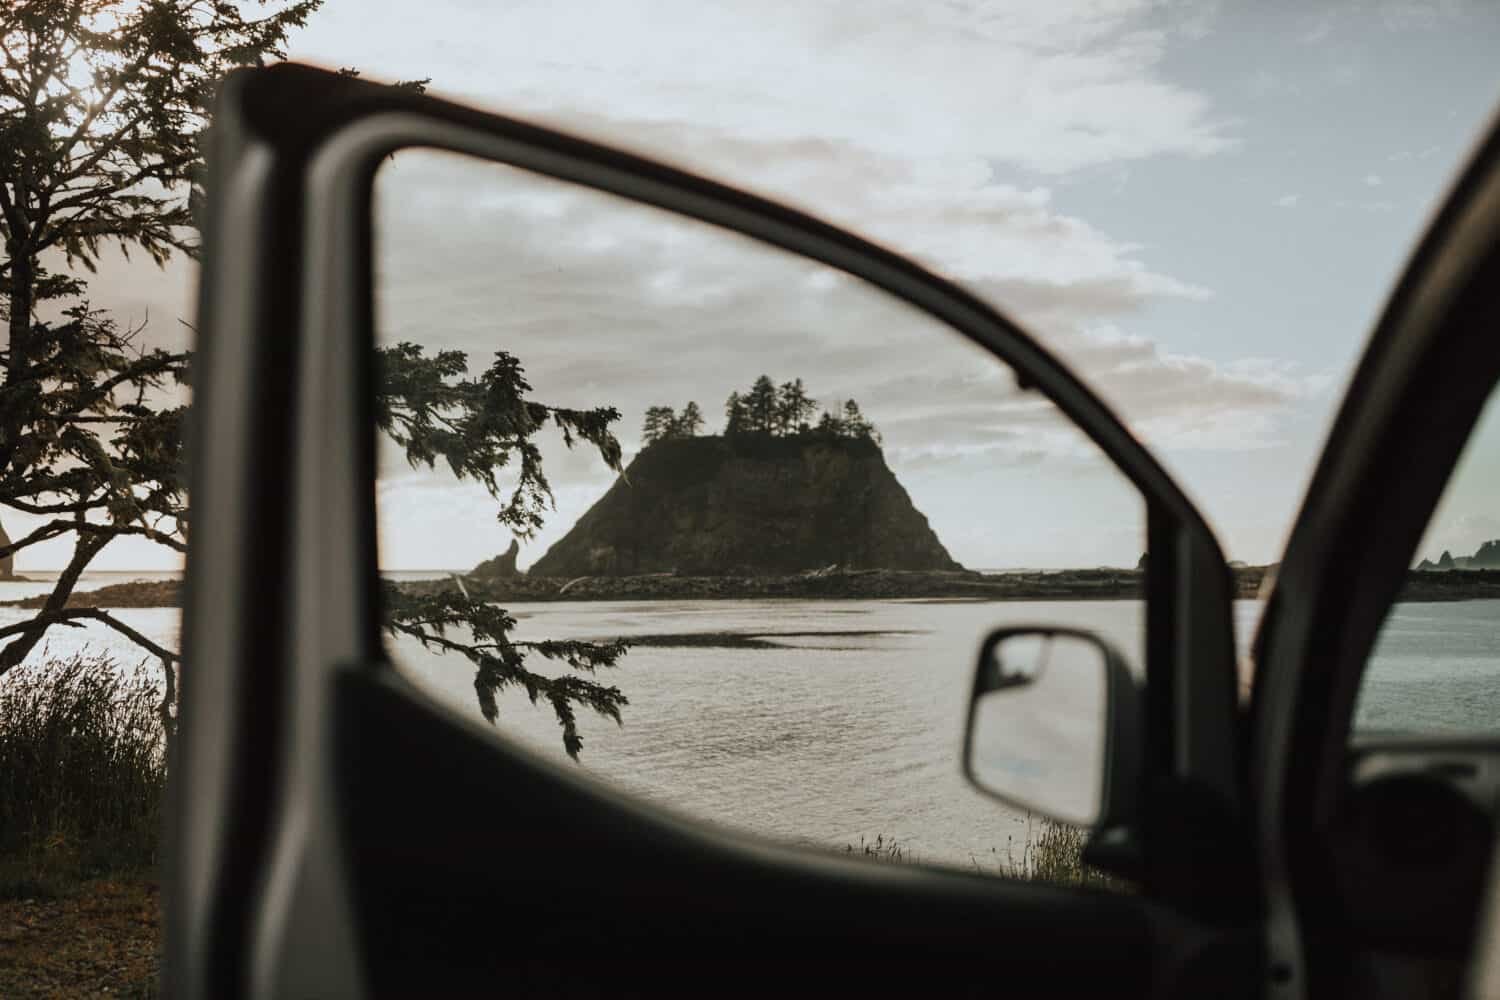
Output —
(1486, 557)
(7, 561)
(750, 505)
(503, 565)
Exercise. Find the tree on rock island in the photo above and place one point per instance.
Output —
(691, 421)
(763, 410)
(658, 424)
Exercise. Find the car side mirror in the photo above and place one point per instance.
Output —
(1054, 726)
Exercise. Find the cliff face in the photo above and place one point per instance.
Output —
(747, 506)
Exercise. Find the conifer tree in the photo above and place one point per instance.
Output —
(103, 108)
(855, 424)
(793, 408)
(691, 421)
(760, 405)
(103, 104)
(736, 419)
(660, 423)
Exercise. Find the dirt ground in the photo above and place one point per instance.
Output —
(100, 939)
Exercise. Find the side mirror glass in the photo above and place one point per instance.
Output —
(1051, 725)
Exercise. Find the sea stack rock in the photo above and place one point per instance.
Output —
(750, 505)
(7, 561)
(1487, 556)
(503, 565)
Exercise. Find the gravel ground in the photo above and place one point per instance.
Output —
(100, 940)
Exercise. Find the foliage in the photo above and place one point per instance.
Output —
(662, 423)
(855, 425)
(87, 449)
(103, 109)
(475, 427)
(1054, 854)
(82, 765)
(103, 106)
(691, 421)
(500, 662)
(760, 405)
(736, 417)
(882, 848)
(765, 410)
(1051, 853)
(794, 408)
(658, 424)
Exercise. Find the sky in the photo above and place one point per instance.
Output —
(1200, 206)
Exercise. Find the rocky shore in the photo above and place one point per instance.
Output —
(1058, 585)
(1070, 585)
(134, 594)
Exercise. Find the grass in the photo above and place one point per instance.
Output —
(82, 774)
(1052, 852)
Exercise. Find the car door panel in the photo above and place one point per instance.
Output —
(1414, 399)
(353, 838)
(585, 891)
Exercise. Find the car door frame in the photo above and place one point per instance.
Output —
(1411, 405)
(280, 609)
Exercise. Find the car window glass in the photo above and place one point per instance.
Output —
(1436, 664)
(753, 589)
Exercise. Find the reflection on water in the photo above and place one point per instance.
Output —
(823, 738)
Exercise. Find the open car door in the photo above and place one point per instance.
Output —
(336, 832)
(1375, 844)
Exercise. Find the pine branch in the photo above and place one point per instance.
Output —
(500, 663)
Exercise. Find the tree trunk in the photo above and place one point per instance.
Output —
(168, 710)
(21, 298)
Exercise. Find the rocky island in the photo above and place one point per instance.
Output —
(750, 506)
(778, 507)
(1487, 556)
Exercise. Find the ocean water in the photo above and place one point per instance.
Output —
(850, 725)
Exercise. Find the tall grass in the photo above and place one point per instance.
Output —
(1052, 852)
(82, 770)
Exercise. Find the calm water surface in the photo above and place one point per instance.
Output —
(829, 738)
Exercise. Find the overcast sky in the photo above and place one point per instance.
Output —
(1200, 205)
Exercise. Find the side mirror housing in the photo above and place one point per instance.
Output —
(1055, 726)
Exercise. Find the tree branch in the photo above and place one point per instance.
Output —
(67, 616)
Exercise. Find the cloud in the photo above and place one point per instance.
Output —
(1049, 87)
(1373, 180)
(1404, 155)
(1263, 83)
(609, 302)
(1287, 201)
(461, 239)
(1318, 27)
(1366, 205)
